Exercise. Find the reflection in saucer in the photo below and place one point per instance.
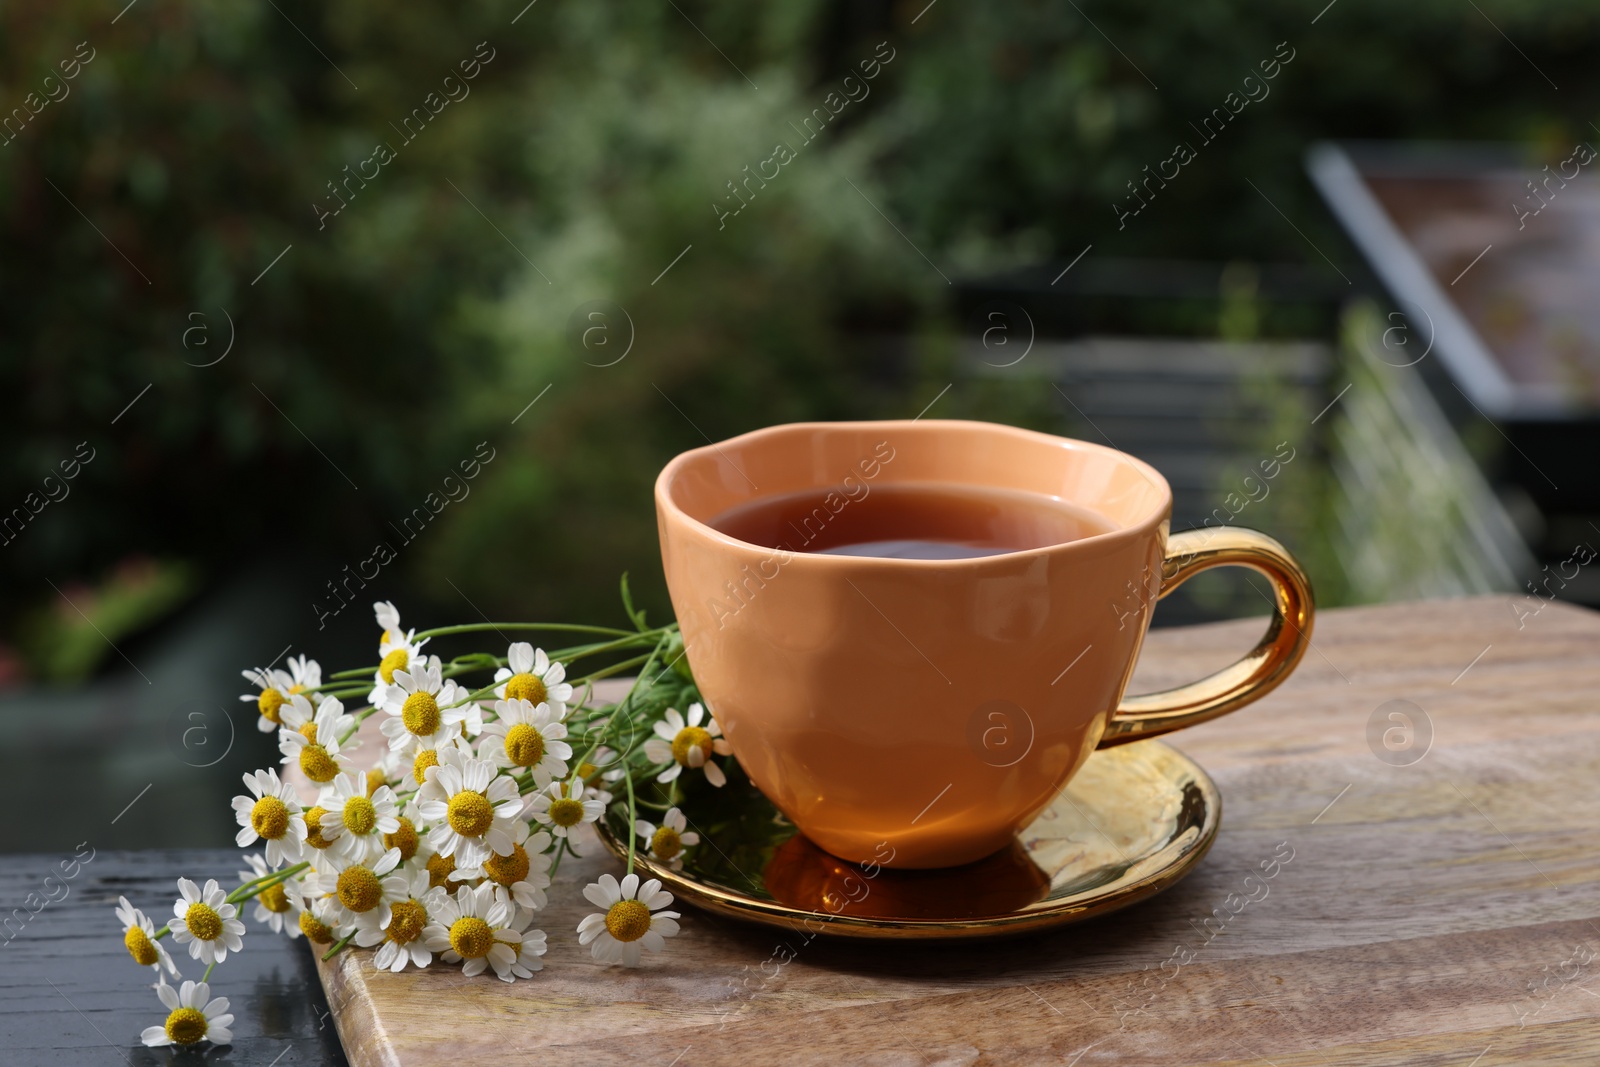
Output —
(802, 875)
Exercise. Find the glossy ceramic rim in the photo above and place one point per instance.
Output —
(667, 505)
(1188, 842)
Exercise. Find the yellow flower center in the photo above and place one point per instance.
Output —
(628, 920)
(524, 745)
(508, 870)
(318, 765)
(186, 1026)
(269, 703)
(392, 662)
(296, 689)
(203, 922)
(666, 843)
(274, 899)
(529, 687)
(140, 947)
(405, 839)
(314, 836)
(587, 771)
(426, 758)
(359, 889)
(566, 811)
(375, 779)
(360, 817)
(270, 818)
(440, 868)
(314, 929)
(309, 732)
(420, 713)
(471, 937)
(470, 813)
(688, 739)
(406, 921)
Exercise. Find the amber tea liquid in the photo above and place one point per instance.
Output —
(910, 521)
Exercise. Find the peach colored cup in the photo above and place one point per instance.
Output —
(929, 709)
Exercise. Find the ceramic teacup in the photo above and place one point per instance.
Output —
(920, 712)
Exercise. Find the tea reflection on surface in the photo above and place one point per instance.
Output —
(801, 875)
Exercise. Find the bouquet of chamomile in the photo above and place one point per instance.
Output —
(438, 845)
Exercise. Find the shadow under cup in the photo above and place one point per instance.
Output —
(928, 707)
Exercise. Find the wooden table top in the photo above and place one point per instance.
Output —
(1438, 904)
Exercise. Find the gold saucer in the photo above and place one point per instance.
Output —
(1132, 822)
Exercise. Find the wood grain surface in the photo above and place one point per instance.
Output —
(1440, 905)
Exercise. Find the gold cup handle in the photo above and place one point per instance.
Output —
(1258, 672)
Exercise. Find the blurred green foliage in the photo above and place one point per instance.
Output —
(371, 358)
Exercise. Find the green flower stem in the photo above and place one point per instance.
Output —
(256, 886)
(633, 813)
(361, 715)
(615, 668)
(354, 672)
(338, 947)
(562, 627)
(207, 976)
(555, 862)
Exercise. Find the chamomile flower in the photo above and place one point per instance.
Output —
(561, 812)
(276, 906)
(362, 889)
(305, 674)
(419, 708)
(423, 758)
(631, 922)
(604, 766)
(274, 686)
(529, 737)
(475, 927)
(683, 742)
(203, 920)
(388, 617)
(667, 841)
(272, 812)
(401, 937)
(524, 873)
(316, 745)
(194, 1017)
(528, 950)
(139, 935)
(470, 808)
(356, 822)
(534, 678)
(320, 921)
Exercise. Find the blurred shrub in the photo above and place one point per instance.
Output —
(381, 348)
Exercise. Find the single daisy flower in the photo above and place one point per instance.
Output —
(320, 921)
(139, 935)
(553, 807)
(533, 677)
(631, 922)
(305, 674)
(274, 686)
(422, 758)
(524, 873)
(316, 744)
(401, 937)
(419, 708)
(667, 841)
(356, 822)
(471, 809)
(474, 928)
(683, 742)
(527, 736)
(194, 1017)
(358, 889)
(388, 617)
(203, 920)
(403, 837)
(272, 812)
(277, 906)
(528, 950)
